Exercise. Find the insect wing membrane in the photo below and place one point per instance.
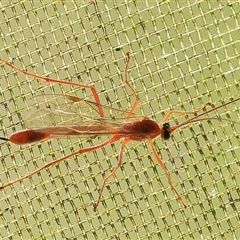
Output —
(68, 111)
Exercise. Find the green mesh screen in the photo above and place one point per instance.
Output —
(183, 54)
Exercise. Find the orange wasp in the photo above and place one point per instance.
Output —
(48, 124)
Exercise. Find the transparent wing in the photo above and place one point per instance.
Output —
(64, 110)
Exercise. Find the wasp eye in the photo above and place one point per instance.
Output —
(165, 131)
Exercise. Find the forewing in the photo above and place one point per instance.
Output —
(64, 110)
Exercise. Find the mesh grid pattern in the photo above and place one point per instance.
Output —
(183, 54)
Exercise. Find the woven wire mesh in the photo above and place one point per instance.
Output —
(183, 54)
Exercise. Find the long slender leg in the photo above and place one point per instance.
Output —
(137, 100)
(169, 114)
(81, 151)
(93, 90)
(165, 171)
(120, 160)
(51, 80)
